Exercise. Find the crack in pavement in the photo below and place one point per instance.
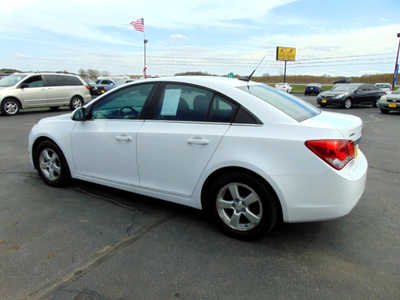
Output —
(22, 173)
(98, 258)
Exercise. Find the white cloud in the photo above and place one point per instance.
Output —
(178, 36)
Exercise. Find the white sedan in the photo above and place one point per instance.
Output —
(284, 87)
(247, 154)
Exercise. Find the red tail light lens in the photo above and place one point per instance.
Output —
(337, 153)
(87, 86)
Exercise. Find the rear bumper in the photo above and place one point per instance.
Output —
(324, 196)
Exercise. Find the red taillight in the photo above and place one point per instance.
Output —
(87, 86)
(337, 153)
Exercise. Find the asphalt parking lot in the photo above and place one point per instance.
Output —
(91, 242)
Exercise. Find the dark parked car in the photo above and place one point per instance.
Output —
(313, 89)
(341, 81)
(347, 95)
(91, 84)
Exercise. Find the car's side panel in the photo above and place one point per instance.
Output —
(172, 155)
(266, 151)
(106, 149)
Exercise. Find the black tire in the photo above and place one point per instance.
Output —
(10, 107)
(54, 108)
(322, 104)
(384, 111)
(73, 104)
(269, 211)
(64, 176)
(375, 103)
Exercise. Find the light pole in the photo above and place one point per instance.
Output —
(396, 65)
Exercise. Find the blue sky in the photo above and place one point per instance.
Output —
(332, 37)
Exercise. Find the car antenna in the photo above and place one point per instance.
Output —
(248, 78)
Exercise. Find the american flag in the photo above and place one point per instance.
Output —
(138, 24)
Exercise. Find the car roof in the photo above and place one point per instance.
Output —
(44, 73)
(200, 80)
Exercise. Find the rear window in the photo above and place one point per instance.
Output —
(292, 106)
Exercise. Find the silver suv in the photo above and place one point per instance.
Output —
(23, 90)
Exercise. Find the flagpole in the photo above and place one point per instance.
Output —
(396, 64)
(144, 52)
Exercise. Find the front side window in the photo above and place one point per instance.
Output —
(126, 103)
(34, 81)
(184, 103)
(292, 106)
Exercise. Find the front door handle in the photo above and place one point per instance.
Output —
(123, 138)
(198, 141)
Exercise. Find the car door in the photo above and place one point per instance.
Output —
(32, 91)
(175, 146)
(104, 147)
(55, 89)
(361, 95)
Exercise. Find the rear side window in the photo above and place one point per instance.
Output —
(244, 117)
(184, 103)
(292, 106)
(222, 110)
(71, 80)
(62, 80)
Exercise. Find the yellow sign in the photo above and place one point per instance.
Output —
(285, 53)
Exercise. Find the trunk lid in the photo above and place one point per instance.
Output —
(348, 125)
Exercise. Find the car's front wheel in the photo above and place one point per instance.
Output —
(348, 103)
(242, 205)
(51, 164)
(10, 107)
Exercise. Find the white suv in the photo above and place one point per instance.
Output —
(23, 90)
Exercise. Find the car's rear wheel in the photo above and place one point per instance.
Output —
(51, 164)
(10, 107)
(76, 102)
(242, 206)
(348, 103)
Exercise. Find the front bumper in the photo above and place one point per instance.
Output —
(385, 105)
(330, 101)
(325, 196)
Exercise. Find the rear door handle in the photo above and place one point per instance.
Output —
(123, 138)
(198, 141)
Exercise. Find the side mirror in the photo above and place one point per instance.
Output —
(24, 86)
(79, 114)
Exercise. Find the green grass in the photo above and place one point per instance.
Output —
(299, 88)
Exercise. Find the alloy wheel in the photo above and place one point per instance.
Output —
(76, 102)
(239, 206)
(347, 103)
(11, 107)
(50, 164)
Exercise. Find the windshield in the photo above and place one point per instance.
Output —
(11, 80)
(344, 88)
(292, 106)
(383, 86)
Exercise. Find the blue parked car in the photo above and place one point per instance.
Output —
(313, 89)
